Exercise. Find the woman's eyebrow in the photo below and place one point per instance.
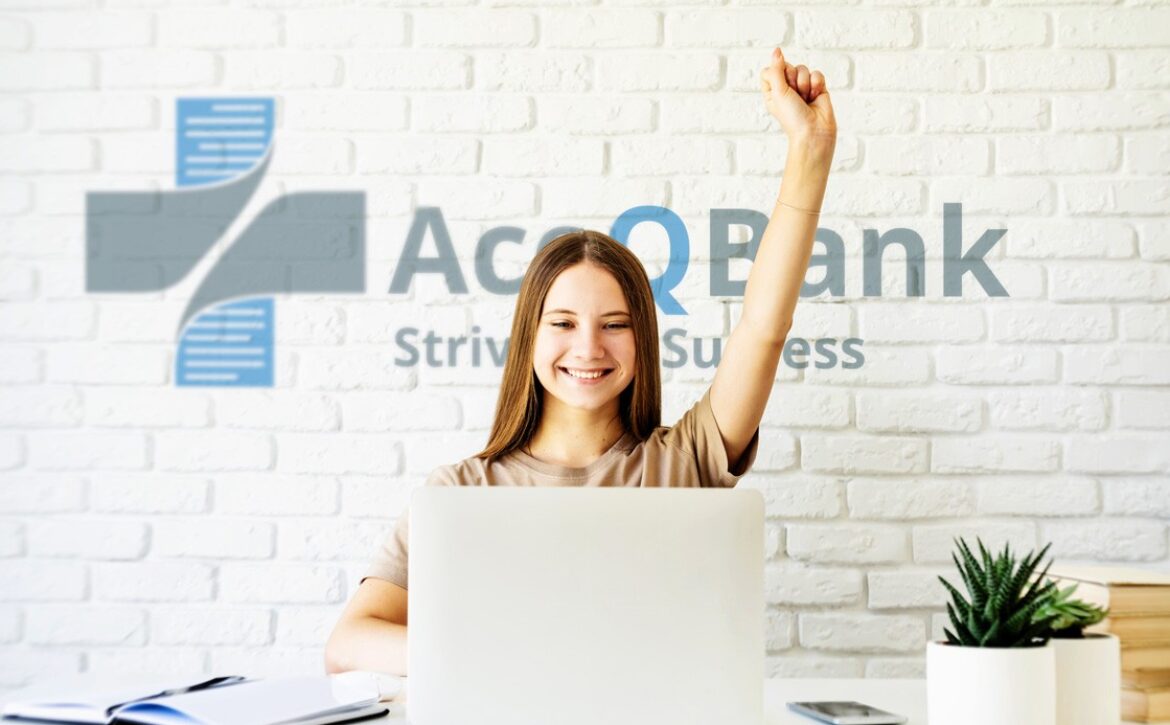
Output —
(570, 312)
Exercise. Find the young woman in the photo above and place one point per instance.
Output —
(579, 403)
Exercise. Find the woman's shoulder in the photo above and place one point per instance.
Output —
(468, 472)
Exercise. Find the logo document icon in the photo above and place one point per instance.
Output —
(301, 242)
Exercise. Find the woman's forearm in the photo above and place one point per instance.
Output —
(367, 643)
(773, 285)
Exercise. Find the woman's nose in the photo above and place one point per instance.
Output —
(587, 343)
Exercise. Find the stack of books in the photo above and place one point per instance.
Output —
(1139, 616)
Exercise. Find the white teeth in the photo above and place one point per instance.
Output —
(584, 375)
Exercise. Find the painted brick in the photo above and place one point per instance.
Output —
(212, 451)
(595, 116)
(584, 28)
(279, 583)
(890, 412)
(1048, 409)
(245, 494)
(908, 498)
(861, 632)
(863, 454)
(1124, 111)
(803, 665)
(41, 494)
(965, 454)
(88, 625)
(934, 543)
(1113, 28)
(479, 28)
(798, 585)
(920, 72)
(847, 543)
(338, 453)
(40, 406)
(856, 29)
(529, 157)
(147, 493)
(407, 70)
(87, 539)
(153, 581)
(908, 589)
(917, 156)
(631, 71)
(281, 69)
(47, 71)
(1109, 365)
(728, 28)
(1118, 453)
(484, 113)
(802, 497)
(159, 68)
(532, 71)
(328, 540)
(984, 114)
(1144, 69)
(1149, 409)
(1106, 239)
(1048, 70)
(211, 626)
(664, 157)
(355, 28)
(1107, 540)
(1148, 496)
(970, 365)
(912, 323)
(87, 450)
(131, 407)
(217, 540)
(1026, 496)
(304, 626)
(1110, 281)
(1145, 323)
(893, 365)
(1057, 154)
(1052, 323)
(985, 29)
(40, 580)
(221, 29)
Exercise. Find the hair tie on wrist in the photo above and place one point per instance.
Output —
(806, 211)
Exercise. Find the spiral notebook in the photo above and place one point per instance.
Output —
(216, 701)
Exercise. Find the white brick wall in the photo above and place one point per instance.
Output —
(149, 528)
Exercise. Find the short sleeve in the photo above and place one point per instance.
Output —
(390, 560)
(697, 431)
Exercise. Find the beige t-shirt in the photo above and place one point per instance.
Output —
(689, 454)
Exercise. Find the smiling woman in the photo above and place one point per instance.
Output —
(580, 400)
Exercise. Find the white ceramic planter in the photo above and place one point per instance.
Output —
(1088, 680)
(990, 685)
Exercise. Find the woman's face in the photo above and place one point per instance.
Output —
(584, 349)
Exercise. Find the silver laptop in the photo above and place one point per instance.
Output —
(582, 606)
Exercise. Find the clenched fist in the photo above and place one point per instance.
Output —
(798, 99)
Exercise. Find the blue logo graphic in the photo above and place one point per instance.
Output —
(302, 242)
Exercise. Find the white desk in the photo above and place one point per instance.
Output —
(905, 697)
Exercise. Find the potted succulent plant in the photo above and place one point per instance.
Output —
(996, 665)
(1088, 665)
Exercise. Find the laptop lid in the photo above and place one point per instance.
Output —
(581, 606)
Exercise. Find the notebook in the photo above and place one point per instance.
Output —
(218, 701)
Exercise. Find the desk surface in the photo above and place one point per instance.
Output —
(904, 697)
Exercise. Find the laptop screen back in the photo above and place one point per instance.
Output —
(581, 606)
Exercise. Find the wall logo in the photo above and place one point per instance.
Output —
(301, 242)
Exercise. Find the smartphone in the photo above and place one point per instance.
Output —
(846, 713)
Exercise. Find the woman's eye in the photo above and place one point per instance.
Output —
(617, 326)
(561, 324)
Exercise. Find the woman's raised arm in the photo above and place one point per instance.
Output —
(799, 101)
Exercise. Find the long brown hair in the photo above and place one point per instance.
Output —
(521, 399)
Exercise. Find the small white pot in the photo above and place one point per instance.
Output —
(1088, 680)
(990, 685)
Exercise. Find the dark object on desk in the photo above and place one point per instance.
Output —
(845, 713)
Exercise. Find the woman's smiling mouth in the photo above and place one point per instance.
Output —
(586, 375)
